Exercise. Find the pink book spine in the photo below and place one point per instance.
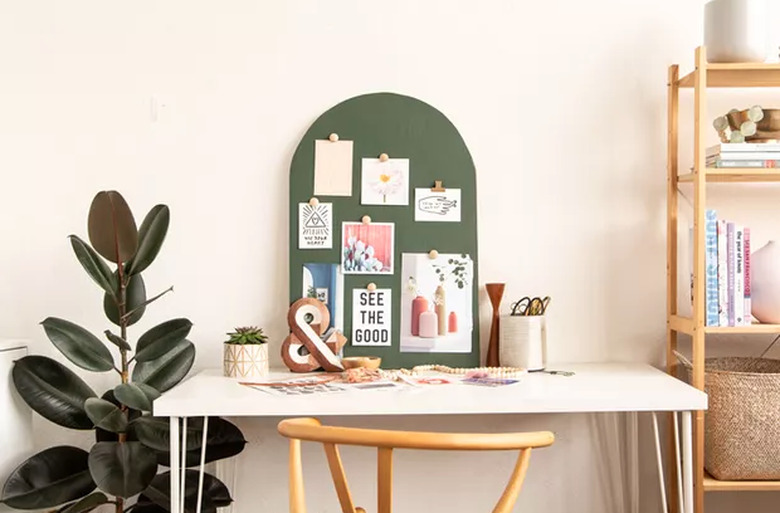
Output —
(747, 317)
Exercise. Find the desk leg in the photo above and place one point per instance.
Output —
(633, 461)
(202, 463)
(687, 461)
(174, 469)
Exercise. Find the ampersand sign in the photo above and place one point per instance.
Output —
(323, 344)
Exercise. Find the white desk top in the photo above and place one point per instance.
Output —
(595, 387)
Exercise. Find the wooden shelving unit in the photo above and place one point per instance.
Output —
(704, 76)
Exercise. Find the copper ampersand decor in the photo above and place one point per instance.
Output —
(323, 345)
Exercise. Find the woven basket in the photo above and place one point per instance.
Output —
(742, 424)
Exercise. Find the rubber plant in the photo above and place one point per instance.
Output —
(121, 470)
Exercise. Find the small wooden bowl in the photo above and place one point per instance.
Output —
(368, 362)
(767, 130)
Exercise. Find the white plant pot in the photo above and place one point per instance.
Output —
(736, 30)
(765, 283)
(246, 362)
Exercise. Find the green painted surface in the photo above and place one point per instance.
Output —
(402, 127)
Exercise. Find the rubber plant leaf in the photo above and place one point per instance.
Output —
(88, 503)
(53, 390)
(160, 339)
(215, 493)
(135, 296)
(150, 238)
(168, 370)
(78, 345)
(117, 341)
(223, 439)
(105, 415)
(52, 477)
(111, 227)
(136, 396)
(122, 469)
(94, 265)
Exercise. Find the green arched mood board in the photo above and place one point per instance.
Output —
(402, 128)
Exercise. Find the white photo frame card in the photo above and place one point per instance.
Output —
(367, 248)
(315, 226)
(384, 182)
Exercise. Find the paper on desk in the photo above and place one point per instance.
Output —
(332, 168)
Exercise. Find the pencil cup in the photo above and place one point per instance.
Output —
(523, 341)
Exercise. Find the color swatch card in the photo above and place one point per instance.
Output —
(371, 317)
(315, 226)
(332, 168)
(437, 206)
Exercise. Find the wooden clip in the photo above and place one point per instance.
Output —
(366, 219)
(371, 287)
(334, 137)
(438, 187)
(433, 254)
(314, 202)
(383, 157)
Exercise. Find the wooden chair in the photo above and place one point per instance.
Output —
(385, 441)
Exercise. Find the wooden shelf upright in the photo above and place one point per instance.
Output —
(705, 75)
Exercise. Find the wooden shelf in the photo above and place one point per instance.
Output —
(737, 75)
(735, 175)
(685, 325)
(713, 485)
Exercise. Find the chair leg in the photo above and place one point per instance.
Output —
(339, 478)
(385, 480)
(512, 490)
(297, 498)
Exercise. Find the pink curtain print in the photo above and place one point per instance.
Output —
(379, 236)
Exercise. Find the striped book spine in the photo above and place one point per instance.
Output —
(748, 305)
(711, 271)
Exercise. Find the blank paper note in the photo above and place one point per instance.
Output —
(332, 168)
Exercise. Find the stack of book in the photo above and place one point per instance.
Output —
(744, 155)
(727, 253)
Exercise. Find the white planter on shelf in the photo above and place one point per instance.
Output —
(736, 30)
(246, 361)
(765, 283)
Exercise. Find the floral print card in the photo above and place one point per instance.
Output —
(367, 248)
(385, 183)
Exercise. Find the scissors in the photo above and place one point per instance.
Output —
(531, 306)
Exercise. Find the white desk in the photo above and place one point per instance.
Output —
(595, 387)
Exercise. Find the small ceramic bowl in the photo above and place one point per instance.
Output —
(368, 362)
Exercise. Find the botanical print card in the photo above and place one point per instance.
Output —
(367, 248)
(436, 303)
(385, 183)
(325, 282)
(371, 317)
(315, 226)
(332, 168)
(439, 206)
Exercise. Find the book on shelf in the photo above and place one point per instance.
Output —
(723, 293)
(760, 164)
(739, 276)
(727, 277)
(732, 148)
(711, 268)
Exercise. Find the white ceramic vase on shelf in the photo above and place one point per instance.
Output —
(736, 30)
(246, 362)
(765, 283)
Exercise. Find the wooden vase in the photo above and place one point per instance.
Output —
(495, 293)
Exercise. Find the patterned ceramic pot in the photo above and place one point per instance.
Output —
(246, 361)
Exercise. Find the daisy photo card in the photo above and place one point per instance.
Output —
(385, 183)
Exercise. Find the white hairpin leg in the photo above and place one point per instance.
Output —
(174, 449)
(660, 463)
(678, 461)
(687, 461)
(183, 478)
(202, 463)
(633, 461)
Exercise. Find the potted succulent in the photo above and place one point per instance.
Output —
(246, 353)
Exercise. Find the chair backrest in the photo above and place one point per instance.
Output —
(385, 441)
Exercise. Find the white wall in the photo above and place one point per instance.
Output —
(561, 103)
